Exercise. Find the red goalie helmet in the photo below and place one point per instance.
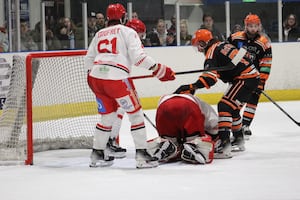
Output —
(115, 11)
(201, 35)
(136, 25)
(252, 19)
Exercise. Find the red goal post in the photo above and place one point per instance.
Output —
(49, 106)
(29, 58)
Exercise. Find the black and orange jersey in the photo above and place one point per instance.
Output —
(220, 54)
(259, 49)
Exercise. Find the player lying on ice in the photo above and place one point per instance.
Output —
(184, 124)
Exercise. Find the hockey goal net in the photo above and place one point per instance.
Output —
(48, 106)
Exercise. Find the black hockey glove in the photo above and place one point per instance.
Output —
(185, 89)
(260, 87)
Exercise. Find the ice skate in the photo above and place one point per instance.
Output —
(190, 153)
(115, 150)
(144, 159)
(238, 143)
(100, 158)
(223, 149)
(165, 151)
(247, 132)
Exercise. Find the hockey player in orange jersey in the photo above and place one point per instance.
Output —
(232, 66)
(260, 51)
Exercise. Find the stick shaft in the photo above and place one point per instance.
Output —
(188, 72)
(148, 119)
(280, 108)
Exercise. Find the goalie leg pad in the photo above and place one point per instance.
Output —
(200, 150)
(165, 151)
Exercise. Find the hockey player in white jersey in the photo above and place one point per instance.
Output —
(113, 144)
(110, 56)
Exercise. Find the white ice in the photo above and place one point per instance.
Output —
(269, 169)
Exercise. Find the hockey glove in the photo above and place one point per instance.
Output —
(260, 87)
(185, 89)
(163, 73)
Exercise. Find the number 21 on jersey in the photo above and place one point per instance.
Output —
(108, 46)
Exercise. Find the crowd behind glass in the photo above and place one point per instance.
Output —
(64, 34)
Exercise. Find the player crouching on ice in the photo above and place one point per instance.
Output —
(183, 123)
(233, 66)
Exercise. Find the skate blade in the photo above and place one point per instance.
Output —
(236, 148)
(144, 164)
(118, 154)
(222, 156)
(101, 163)
(198, 157)
(246, 137)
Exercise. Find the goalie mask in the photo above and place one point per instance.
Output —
(201, 39)
(116, 12)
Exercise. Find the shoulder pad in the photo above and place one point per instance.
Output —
(238, 35)
(264, 42)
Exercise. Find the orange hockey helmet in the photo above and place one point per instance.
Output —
(252, 19)
(115, 12)
(136, 25)
(203, 35)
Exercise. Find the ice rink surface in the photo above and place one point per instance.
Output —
(269, 169)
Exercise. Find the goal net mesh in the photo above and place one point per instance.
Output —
(64, 111)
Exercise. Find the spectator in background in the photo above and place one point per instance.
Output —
(135, 15)
(52, 43)
(171, 39)
(208, 23)
(236, 28)
(100, 21)
(172, 28)
(158, 36)
(291, 31)
(27, 42)
(66, 34)
(92, 26)
(4, 44)
(185, 37)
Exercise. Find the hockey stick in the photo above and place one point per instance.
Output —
(236, 59)
(268, 97)
(148, 119)
(224, 68)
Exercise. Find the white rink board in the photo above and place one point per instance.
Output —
(285, 70)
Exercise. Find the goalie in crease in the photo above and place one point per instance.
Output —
(185, 125)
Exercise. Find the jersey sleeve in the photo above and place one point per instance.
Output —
(90, 55)
(137, 52)
(211, 116)
(265, 62)
(207, 79)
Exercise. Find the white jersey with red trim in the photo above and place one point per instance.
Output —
(113, 51)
